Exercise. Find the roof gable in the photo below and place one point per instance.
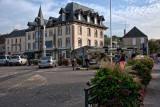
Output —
(134, 32)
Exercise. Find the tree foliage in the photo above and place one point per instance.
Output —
(154, 46)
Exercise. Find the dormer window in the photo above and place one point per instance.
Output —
(88, 19)
(79, 16)
(63, 17)
(95, 20)
(100, 22)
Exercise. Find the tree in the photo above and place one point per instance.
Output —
(106, 40)
(153, 46)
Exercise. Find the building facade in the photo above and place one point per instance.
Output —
(76, 26)
(2, 43)
(15, 42)
(137, 40)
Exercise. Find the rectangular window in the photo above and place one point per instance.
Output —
(50, 33)
(100, 22)
(79, 17)
(79, 42)
(59, 31)
(88, 31)
(80, 30)
(29, 36)
(34, 45)
(101, 33)
(68, 54)
(89, 42)
(60, 43)
(33, 35)
(68, 30)
(45, 33)
(60, 54)
(12, 41)
(29, 46)
(95, 33)
(134, 41)
(63, 16)
(142, 40)
(12, 49)
(8, 49)
(88, 19)
(20, 40)
(20, 47)
(95, 43)
(15, 48)
(101, 43)
(37, 45)
(16, 40)
(68, 42)
(36, 35)
(95, 20)
(48, 44)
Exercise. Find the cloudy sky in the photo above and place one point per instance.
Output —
(144, 14)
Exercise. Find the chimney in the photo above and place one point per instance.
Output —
(124, 31)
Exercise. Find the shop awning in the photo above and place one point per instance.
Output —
(28, 53)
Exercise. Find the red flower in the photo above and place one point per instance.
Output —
(140, 98)
(120, 80)
(111, 76)
(140, 91)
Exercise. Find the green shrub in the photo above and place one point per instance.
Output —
(35, 61)
(66, 62)
(79, 61)
(60, 62)
(143, 68)
(115, 89)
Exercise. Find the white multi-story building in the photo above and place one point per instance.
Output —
(76, 26)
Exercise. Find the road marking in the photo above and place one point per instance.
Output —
(56, 68)
(30, 83)
(8, 75)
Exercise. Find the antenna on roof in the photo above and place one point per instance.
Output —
(125, 28)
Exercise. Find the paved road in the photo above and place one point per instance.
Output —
(152, 98)
(23, 86)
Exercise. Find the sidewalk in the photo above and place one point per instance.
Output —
(152, 98)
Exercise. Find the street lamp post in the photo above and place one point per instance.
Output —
(111, 29)
(44, 37)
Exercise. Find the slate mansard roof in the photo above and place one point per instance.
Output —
(134, 32)
(17, 33)
(71, 12)
(2, 38)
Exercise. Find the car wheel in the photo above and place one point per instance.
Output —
(10, 64)
(39, 67)
(7, 63)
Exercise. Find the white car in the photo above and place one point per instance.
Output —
(4, 59)
(47, 61)
(17, 60)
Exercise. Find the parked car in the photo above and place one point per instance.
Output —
(4, 59)
(17, 60)
(47, 61)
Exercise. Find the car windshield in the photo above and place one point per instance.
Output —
(45, 58)
(2, 57)
(14, 57)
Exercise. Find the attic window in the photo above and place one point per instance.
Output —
(95, 20)
(79, 16)
(88, 19)
(63, 17)
(100, 22)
